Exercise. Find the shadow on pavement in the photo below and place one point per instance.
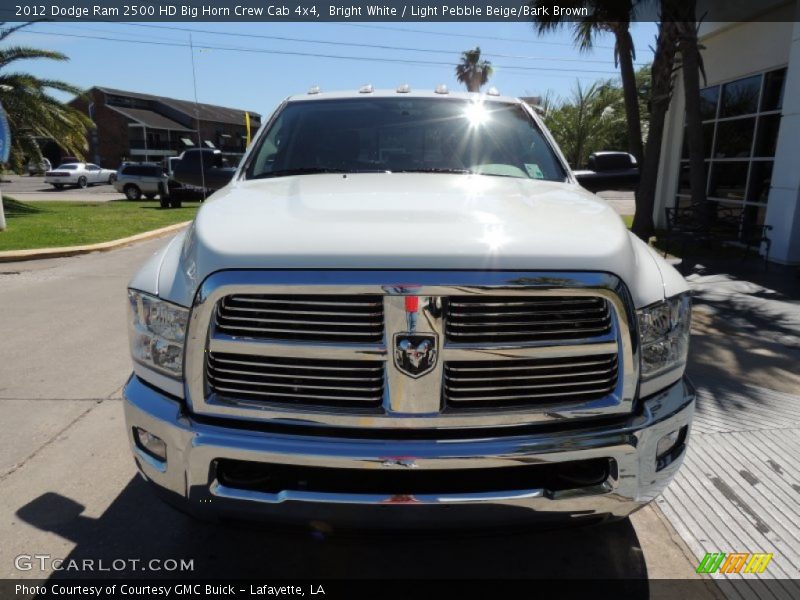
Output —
(746, 328)
(138, 525)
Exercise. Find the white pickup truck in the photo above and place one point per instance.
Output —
(402, 310)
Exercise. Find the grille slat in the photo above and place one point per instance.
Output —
(297, 381)
(527, 382)
(321, 318)
(509, 378)
(518, 320)
(266, 361)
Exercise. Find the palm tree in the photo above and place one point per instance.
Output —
(589, 120)
(663, 74)
(472, 71)
(32, 112)
(605, 16)
(692, 68)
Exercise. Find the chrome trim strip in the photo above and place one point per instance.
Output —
(458, 353)
(282, 349)
(419, 408)
(222, 491)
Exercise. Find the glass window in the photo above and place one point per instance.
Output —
(767, 135)
(684, 184)
(735, 138)
(708, 140)
(760, 180)
(405, 135)
(774, 85)
(708, 103)
(740, 97)
(728, 180)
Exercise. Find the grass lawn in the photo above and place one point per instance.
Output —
(55, 224)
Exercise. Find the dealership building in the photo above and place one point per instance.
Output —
(751, 123)
(146, 128)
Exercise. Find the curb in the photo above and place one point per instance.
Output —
(40, 253)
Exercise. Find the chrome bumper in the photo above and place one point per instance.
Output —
(189, 474)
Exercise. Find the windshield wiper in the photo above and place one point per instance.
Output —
(434, 170)
(298, 171)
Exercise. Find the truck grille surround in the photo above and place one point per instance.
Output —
(397, 349)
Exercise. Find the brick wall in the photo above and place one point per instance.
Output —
(108, 143)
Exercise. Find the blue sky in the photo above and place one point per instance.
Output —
(156, 59)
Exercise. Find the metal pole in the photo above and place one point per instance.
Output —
(2, 214)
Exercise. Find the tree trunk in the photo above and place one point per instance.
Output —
(660, 95)
(629, 91)
(690, 65)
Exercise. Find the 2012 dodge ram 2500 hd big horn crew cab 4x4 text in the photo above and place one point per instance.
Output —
(402, 309)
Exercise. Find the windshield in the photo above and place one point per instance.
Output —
(434, 135)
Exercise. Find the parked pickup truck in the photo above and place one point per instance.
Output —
(402, 310)
(609, 170)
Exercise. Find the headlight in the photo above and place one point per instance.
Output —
(157, 330)
(664, 335)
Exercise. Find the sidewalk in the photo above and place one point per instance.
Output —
(739, 488)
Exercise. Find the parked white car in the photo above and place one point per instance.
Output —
(79, 174)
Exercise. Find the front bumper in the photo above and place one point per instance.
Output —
(189, 475)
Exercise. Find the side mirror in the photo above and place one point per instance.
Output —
(609, 171)
(204, 168)
(611, 161)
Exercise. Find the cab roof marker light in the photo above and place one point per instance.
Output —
(403, 88)
(441, 89)
(366, 89)
(314, 89)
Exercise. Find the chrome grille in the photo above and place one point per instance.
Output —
(304, 382)
(521, 319)
(324, 318)
(323, 347)
(515, 382)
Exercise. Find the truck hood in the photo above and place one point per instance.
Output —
(406, 221)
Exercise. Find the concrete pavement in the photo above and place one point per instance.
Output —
(68, 486)
(33, 189)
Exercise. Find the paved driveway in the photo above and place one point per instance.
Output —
(32, 189)
(68, 486)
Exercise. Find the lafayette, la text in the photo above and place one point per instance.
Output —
(189, 589)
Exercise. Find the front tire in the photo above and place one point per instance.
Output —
(132, 192)
(83, 183)
(164, 202)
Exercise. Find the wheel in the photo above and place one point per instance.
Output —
(58, 186)
(132, 192)
(83, 182)
(164, 202)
